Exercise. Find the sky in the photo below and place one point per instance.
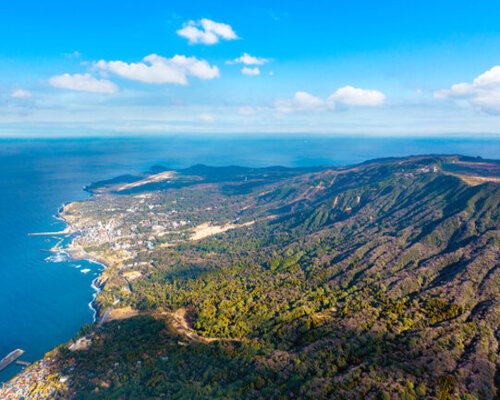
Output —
(327, 67)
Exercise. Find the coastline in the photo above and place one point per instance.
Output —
(41, 374)
(75, 252)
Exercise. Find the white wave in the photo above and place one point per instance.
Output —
(58, 257)
(94, 286)
(94, 295)
(102, 266)
(85, 270)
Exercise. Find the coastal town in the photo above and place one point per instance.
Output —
(115, 234)
(37, 382)
(119, 230)
(116, 230)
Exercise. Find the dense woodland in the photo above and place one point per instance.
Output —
(377, 281)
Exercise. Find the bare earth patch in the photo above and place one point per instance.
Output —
(162, 176)
(204, 230)
(130, 276)
(475, 180)
(122, 313)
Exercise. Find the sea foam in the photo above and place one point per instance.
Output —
(58, 257)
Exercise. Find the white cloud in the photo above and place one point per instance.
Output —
(247, 59)
(351, 96)
(489, 78)
(302, 101)
(246, 110)
(21, 94)
(157, 69)
(208, 118)
(206, 31)
(84, 83)
(307, 101)
(347, 96)
(250, 71)
(483, 93)
(456, 91)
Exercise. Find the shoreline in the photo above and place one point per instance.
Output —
(75, 252)
(94, 296)
(70, 252)
(93, 285)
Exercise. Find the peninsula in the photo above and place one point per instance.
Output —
(374, 281)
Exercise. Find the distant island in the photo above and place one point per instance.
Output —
(374, 281)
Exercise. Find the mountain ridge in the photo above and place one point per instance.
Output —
(379, 280)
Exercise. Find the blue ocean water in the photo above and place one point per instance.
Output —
(44, 303)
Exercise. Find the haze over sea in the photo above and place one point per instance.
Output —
(44, 303)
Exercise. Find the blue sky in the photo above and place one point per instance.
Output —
(333, 67)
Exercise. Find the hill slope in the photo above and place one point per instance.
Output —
(375, 281)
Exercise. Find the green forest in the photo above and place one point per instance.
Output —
(375, 281)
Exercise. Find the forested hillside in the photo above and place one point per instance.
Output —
(376, 281)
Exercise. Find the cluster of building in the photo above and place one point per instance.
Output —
(36, 382)
(128, 238)
(102, 232)
(426, 170)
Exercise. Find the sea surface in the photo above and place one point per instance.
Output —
(44, 298)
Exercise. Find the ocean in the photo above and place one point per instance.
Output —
(44, 298)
